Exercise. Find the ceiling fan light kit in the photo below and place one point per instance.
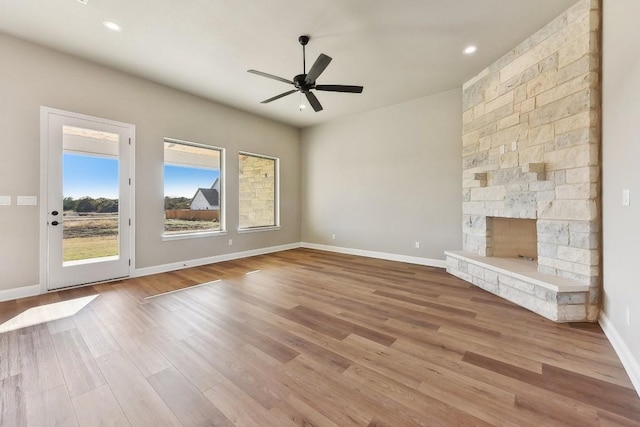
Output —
(306, 82)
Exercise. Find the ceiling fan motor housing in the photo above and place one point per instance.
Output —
(300, 83)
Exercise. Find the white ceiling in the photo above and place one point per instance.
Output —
(398, 50)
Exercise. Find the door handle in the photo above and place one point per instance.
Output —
(54, 213)
(54, 223)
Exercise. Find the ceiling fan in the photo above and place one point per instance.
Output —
(305, 82)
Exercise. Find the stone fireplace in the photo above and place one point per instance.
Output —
(530, 147)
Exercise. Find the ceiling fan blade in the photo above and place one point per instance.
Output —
(279, 96)
(313, 101)
(317, 68)
(340, 88)
(270, 76)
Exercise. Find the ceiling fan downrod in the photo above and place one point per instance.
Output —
(303, 41)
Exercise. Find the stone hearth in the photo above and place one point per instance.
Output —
(531, 138)
(519, 281)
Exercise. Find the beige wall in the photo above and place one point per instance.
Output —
(621, 170)
(382, 180)
(32, 76)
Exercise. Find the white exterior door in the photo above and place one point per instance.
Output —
(87, 164)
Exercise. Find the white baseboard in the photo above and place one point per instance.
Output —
(145, 271)
(628, 359)
(22, 292)
(380, 255)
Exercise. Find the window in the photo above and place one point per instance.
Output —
(258, 184)
(192, 188)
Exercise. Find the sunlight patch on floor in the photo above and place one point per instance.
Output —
(182, 289)
(46, 313)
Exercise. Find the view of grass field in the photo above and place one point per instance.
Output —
(89, 236)
(177, 226)
(95, 235)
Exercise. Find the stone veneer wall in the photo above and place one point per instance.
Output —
(531, 144)
(257, 182)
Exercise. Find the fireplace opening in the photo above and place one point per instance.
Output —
(512, 238)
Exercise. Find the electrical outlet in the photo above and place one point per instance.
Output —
(5, 200)
(417, 245)
(333, 236)
(628, 318)
(230, 242)
(625, 197)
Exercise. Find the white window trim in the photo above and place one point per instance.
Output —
(276, 226)
(193, 235)
(259, 229)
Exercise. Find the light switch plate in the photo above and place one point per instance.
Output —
(27, 200)
(502, 149)
(514, 145)
(5, 200)
(625, 198)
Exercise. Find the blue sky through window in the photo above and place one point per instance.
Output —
(93, 176)
(89, 176)
(182, 181)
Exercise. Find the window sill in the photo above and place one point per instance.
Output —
(169, 237)
(258, 229)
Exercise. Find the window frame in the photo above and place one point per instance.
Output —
(221, 196)
(276, 195)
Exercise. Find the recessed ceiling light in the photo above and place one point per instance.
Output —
(83, 1)
(470, 49)
(112, 26)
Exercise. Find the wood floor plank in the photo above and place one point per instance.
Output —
(187, 402)
(358, 403)
(51, 408)
(239, 408)
(338, 362)
(311, 338)
(244, 376)
(433, 411)
(61, 325)
(147, 358)
(613, 398)
(10, 354)
(249, 335)
(138, 400)
(79, 368)
(13, 410)
(99, 407)
(293, 411)
(38, 362)
(190, 364)
(94, 333)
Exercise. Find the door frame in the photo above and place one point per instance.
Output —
(45, 112)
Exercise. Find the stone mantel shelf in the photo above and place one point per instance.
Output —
(522, 270)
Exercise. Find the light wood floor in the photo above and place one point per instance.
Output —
(306, 338)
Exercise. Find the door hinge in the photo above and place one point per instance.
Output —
(129, 263)
(129, 221)
(129, 141)
(129, 181)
